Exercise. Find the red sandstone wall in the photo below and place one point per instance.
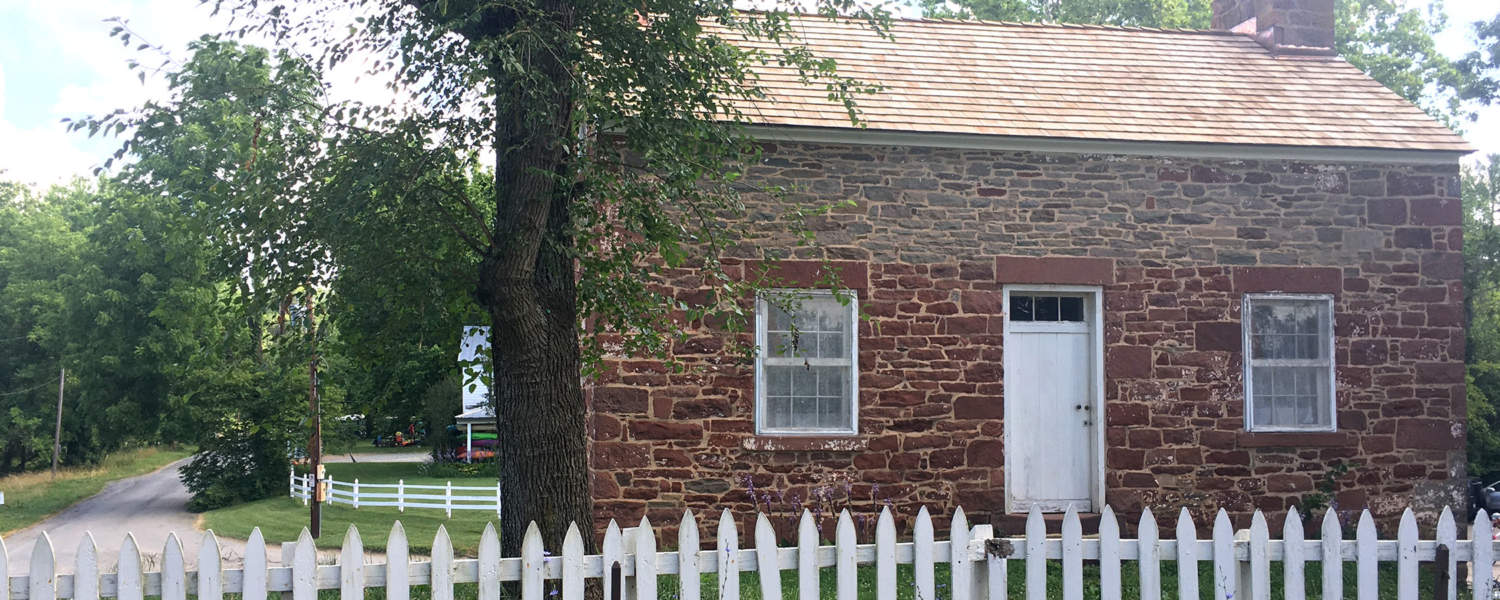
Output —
(933, 236)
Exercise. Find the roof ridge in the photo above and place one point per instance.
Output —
(1062, 25)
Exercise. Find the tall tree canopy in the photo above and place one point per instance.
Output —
(559, 148)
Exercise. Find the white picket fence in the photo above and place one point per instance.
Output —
(629, 564)
(401, 495)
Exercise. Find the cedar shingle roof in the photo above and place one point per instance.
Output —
(1093, 83)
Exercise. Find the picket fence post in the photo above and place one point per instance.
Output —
(531, 564)
(1109, 555)
(572, 561)
(1187, 556)
(254, 579)
(356, 492)
(352, 565)
(448, 498)
(922, 563)
(807, 559)
(1150, 556)
(489, 561)
(1367, 580)
(611, 555)
(1447, 537)
(86, 571)
(400, 495)
(1072, 555)
(1036, 555)
(129, 580)
(885, 555)
(173, 571)
(397, 571)
(1332, 565)
(765, 559)
(961, 564)
(1484, 555)
(43, 582)
(1294, 584)
(645, 562)
(844, 565)
(442, 565)
(210, 569)
(306, 487)
(729, 560)
(1226, 568)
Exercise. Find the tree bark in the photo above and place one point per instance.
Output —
(527, 284)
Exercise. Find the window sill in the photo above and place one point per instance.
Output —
(806, 443)
(1294, 439)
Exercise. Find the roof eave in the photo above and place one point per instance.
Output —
(971, 141)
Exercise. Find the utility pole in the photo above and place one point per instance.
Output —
(315, 446)
(62, 376)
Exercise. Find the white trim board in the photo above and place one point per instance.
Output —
(965, 141)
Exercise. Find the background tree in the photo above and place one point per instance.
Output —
(568, 145)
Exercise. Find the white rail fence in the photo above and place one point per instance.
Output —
(629, 563)
(401, 495)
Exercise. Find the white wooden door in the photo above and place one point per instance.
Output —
(1050, 400)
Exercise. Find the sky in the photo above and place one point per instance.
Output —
(57, 60)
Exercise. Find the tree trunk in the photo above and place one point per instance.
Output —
(527, 284)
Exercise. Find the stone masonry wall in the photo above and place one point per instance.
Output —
(930, 239)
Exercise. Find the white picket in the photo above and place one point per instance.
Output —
(1226, 568)
(43, 582)
(689, 569)
(448, 499)
(612, 554)
(305, 568)
(1294, 582)
(86, 569)
(1187, 557)
(173, 570)
(765, 558)
(1406, 557)
(885, 555)
(922, 563)
(1368, 577)
(991, 578)
(1447, 537)
(645, 562)
(728, 557)
(352, 566)
(1072, 555)
(489, 562)
(253, 578)
(961, 567)
(572, 561)
(129, 583)
(844, 548)
(1333, 559)
(1260, 563)
(442, 565)
(1109, 555)
(400, 495)
(1484, 556)
(210, 568)
(807, 557)
(1036, 555)
(531, 564)
(1150, 556)
(5, 566)
(397, 571)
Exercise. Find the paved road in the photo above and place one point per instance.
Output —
(150, 506)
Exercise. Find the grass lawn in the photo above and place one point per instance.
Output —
(282, 519)
(32, 497)
(365, 447)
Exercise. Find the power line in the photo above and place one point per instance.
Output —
(30, 389)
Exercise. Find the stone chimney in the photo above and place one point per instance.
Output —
(1282, 26)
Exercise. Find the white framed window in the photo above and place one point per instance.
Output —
(1289, 377)
(806, 366)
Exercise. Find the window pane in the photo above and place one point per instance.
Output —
(781, 344)
(1072, 309)
(779, 381)
(831, 345)
(1295, 397)
(1046, 308)
(778, 412)
(1286, 329)
(1020, 308)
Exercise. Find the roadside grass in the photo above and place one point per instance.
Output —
(32, 497)
(282, 519)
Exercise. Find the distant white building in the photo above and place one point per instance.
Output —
(477, 413)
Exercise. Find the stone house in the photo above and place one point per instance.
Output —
(1141, 267)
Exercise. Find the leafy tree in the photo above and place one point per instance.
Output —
(1136, 13)
(1481, 202)
(607, 137)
